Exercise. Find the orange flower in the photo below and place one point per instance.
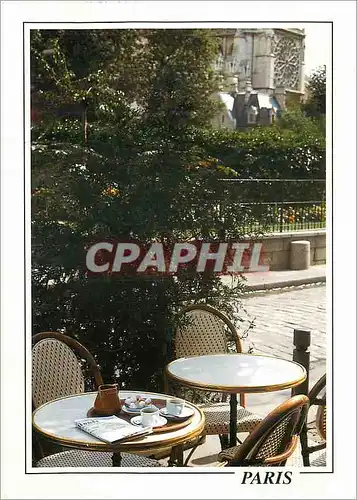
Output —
(111, 191)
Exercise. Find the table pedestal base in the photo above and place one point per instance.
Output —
(233, 420)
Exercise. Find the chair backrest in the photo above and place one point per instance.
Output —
(274, 440)
(321, 421)
(317, 398)
(56, 370)
(204, 332)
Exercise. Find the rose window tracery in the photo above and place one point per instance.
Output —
(287, 62)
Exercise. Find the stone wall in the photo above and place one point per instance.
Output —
(276, 248)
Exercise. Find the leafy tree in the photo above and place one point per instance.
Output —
(115, 155)
(315, 106)
(309, 118)
(294, 118)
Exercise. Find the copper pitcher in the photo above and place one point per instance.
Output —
(107, 401)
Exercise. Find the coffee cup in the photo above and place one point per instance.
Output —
(174, 406)
(149, 416)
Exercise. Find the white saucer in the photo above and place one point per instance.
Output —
(160, 421)
(186, 413)
(134, 411)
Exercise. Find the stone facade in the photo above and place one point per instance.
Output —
(267, 62)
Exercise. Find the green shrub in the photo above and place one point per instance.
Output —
(270, 153)
(122, 164)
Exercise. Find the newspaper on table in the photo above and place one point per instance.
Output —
(111, 429)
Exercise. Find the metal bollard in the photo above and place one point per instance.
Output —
(301, 354)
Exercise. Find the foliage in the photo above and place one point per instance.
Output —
(294, 118)
(115, 154)
(299, 215)
(286, 158)
(316, 88)
(293, 217)
(269, 153)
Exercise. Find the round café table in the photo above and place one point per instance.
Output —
(234, 374)
(55, 419)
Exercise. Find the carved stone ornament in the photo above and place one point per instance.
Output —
(287, 61)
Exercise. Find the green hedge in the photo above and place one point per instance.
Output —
(270, 153)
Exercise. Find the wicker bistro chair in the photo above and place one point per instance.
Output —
(58, 372)
(317, 397)
(274, 440)
(208, 331)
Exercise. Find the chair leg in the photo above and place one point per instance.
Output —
(194, 448)
(190, 454)
(116, 459)
(37, 450)
(176, 457)
(224, 439)
(304, 447)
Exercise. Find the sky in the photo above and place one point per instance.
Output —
(317, 46)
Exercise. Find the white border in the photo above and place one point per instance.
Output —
(17, 485)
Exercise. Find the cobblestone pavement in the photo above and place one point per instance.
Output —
(276, 315)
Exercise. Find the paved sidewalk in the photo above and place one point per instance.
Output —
(280, 279)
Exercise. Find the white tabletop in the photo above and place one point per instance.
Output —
(236, 373)
(55, 420)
